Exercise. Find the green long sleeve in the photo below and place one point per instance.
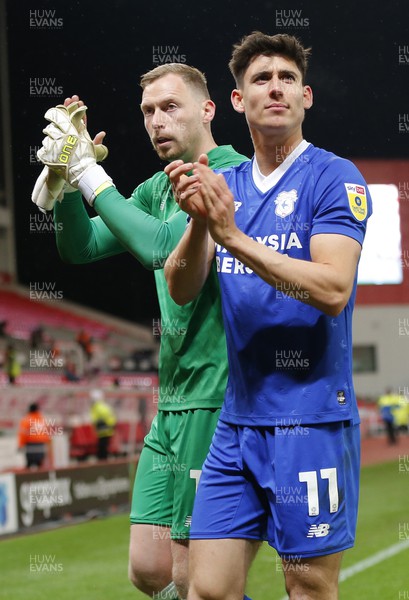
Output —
(146, 237)
(120, 226)
(80, 239)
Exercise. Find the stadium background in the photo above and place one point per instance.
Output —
(100, 53)
(359, 72)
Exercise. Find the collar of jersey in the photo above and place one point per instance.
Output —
(265, 182)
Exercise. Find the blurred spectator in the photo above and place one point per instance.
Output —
(70, 370)
(11, 364)
(388, 403)
(37, 337)
(33, 436)
(401, 414)
(104, 421)
(85, 341)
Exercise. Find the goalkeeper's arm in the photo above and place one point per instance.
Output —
(69, 151)
(121, 226)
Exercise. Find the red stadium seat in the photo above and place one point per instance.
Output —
(83, 442)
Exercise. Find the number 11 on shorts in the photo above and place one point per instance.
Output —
(311, 479)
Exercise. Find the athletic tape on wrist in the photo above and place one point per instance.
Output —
(94, 181)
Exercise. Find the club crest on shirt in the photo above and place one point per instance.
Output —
(357, 200)
(285, 203)
(341, 397)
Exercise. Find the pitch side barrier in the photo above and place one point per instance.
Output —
(31, 498)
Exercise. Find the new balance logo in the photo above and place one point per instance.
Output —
(320, 530)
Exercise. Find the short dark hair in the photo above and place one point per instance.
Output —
(33, 407)
(191, 76)
(258, 43)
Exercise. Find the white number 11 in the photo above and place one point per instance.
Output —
(311, 479)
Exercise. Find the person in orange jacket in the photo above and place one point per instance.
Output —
(34, 436)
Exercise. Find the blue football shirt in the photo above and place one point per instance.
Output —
(289, 363)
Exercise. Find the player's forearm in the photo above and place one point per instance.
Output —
(80, 239)
(317, 284)
(188, 266)
(147, 238)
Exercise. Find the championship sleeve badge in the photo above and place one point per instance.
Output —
(357, 200)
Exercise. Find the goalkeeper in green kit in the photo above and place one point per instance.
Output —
(177, 112)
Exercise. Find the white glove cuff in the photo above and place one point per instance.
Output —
(91, 181)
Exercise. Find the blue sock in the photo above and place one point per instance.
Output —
(246, 597)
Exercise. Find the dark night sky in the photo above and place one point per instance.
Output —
(100, 50)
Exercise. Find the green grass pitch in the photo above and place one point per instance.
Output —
(89, 561)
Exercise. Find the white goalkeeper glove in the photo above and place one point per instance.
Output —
(70, 153)
(49, 186)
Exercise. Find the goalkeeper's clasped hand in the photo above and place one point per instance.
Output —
(70, 156)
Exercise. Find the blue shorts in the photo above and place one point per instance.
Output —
(296, 487)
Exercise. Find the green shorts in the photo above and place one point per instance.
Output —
(169, 469)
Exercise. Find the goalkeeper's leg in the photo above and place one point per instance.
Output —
(150, 556)
(150, 559)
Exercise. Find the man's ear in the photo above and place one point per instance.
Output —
(237, 101)
(308, 97)
(209, 110)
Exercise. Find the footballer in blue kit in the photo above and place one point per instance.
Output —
(286, 232)
(303, 372)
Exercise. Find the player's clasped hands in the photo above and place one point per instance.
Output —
(64, 121)
(204, 195)
(186, 188)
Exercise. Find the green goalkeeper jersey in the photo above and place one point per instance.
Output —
(193, 359)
